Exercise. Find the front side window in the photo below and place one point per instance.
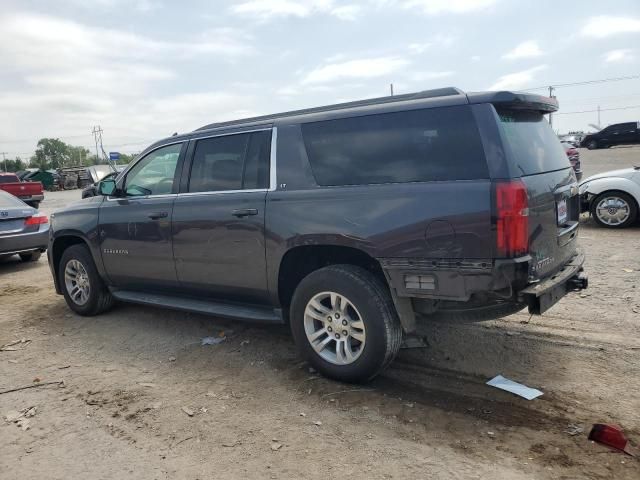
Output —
(154, 174)
(412, 146)
(231, 162)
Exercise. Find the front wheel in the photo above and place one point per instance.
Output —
(592, 145)
(614, 209)
(83, 289)
(344, 323)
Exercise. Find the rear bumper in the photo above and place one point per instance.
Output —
(541, 296)
(460, 281)
(31, 198)
(25, 242)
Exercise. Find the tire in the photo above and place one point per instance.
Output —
(592, 145)
(35, 205)
(31, 256)
(98, 299)
(369, 305)
(619, 201)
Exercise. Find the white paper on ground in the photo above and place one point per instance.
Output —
(514, 387)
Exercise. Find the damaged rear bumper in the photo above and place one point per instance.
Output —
(541, 296)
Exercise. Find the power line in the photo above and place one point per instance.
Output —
(586, 82)
(599, 110)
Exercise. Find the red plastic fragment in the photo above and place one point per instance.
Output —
(610, 435)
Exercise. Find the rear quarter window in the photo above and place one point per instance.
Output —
(435, 144)
(533, 146)
(9, 179)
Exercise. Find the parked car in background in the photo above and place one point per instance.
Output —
(29, 192)
(92, 190)
(574, 158)
(612, 198)
(627, 133)
(573, 139)
(23, 231)
(343, 221)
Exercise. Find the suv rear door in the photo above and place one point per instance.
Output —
(536, 156)
(219, 217)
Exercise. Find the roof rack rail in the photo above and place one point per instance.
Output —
(438, 92)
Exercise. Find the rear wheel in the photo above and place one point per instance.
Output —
(31, 256)
(81, 284)
(614, 209)
(344, 323)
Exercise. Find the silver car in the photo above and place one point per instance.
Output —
(23, 230)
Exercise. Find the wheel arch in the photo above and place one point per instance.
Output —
(301, 260)
(58, 247)
(615, 184)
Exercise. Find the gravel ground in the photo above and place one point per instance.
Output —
(143, 399)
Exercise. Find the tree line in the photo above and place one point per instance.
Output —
(53, 153)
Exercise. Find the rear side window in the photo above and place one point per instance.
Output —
(412, 146)
(8, 179)
(533, 145)
(232, 162)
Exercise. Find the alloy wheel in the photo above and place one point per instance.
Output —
(334, 328)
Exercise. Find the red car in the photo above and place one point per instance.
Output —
(30, 193)
(574, 158)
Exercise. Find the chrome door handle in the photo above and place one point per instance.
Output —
(157, 215)
(244, 212)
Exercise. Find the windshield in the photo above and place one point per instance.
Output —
(534, 147)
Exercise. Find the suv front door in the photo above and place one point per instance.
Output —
(135, 226)
(219, 217)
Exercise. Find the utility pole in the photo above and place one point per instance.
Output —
(598, 116)
(97, 136)
(551, 89)
(391, 87)
(4, 159)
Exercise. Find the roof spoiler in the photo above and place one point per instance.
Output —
(516, 100)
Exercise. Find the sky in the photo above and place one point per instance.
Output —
(143, 69)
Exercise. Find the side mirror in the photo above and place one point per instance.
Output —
(107, 187)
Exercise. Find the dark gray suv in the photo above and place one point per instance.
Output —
(347, 221)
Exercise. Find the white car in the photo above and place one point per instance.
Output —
(613, 197)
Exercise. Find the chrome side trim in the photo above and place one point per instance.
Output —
(219, 192)
(228, 134)
(273, 177)
(142, 197)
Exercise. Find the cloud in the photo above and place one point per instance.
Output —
(141, 6)
(436, 7)
(517, 80)
(362, 68)
(427, 76)
(265, 10)
(347, 12)
(607, 25)
(619, 56)
(66, 76)
(528, 49)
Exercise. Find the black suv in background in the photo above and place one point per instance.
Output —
(618, 134)
(344, 221)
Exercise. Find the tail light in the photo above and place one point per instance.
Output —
(512, 224)
(37, 219)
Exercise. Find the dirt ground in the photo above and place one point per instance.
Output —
(143, 399)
